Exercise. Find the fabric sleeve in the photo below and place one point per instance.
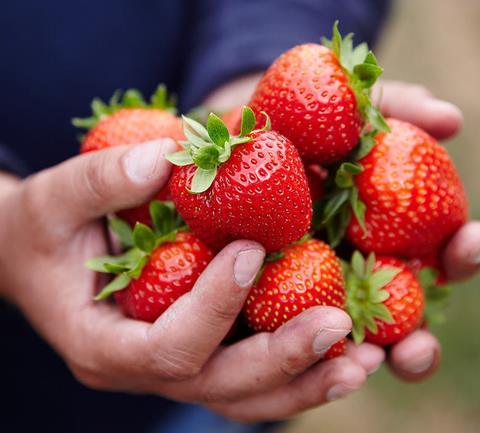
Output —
(9, 162)
(233, 37)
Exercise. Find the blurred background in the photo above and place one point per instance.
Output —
(435, 43)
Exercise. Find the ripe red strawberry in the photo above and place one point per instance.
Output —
(162, 266)
(127, 120)
(413, 195)
(306, 275)
(316, 177)
(384, 299)
(147, 297)
(318, 97)
(251, 186)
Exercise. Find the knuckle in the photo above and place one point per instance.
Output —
(215, 396)
(221, 313)
(94, 177)
(175, 365)
(290, 366)
(290, 360)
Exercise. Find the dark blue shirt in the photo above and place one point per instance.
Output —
(55, 56)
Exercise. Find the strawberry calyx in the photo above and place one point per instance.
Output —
(140, 241)
(209, 147)
(362, 69)
(437, 295)
(333, 211)
(366, 294)
(131, 98)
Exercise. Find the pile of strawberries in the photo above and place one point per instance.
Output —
(352, 209)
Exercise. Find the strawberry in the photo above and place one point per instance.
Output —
(319, 97)
(251, 186)
(128, 119)
(405, 193)
(414, 197)
(162, 265)
(316, 177)
(303, 275)
(384, 299)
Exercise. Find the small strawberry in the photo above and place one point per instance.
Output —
(303, 275)
(318, 96)
(384, 299)
(251, 186)
(406, 195)
(128, 119)
(162, 265)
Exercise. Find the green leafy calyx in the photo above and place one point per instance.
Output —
(131, 98)
(366, 294)
(209, 147)
(437, 295)
(140, 241)
(362, 69)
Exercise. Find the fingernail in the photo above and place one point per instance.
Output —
(420, 365)
(142, 160)
(247, 264)
(326, 338)
(339, 391)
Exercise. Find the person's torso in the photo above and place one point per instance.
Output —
(56, 56)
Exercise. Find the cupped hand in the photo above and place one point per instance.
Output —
(418, 355)
(50, 223)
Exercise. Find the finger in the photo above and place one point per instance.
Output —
(94, 184)
(327, 381)
(416, 357)
(415, 104)
(461, 258)
(267, 360)
(193, 327)
(369, 356)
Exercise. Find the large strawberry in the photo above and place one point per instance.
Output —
(319, 97)
(251, 186)
(162, 265)
(128, 119)
(406, 195)
(384, 299)
(306, 274)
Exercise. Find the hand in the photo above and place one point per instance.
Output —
(418, 356)
(50, 221)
